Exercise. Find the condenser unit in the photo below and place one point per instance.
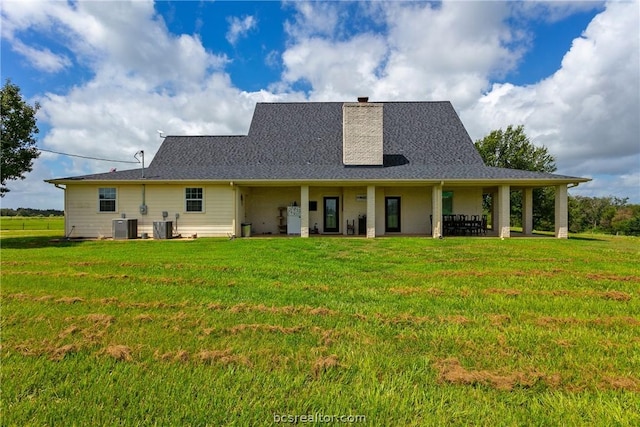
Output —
(162, 229)
(125, 228)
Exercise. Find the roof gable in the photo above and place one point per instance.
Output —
(420, 133)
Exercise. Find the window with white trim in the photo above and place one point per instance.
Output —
(107, 199)
(194, 199)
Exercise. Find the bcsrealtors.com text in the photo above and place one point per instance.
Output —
(318, 418)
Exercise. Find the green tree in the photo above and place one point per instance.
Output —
(18, 129)
(512, 149)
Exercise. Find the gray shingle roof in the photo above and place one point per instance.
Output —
(303, 141)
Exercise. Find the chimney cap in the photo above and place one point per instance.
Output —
(363, 99)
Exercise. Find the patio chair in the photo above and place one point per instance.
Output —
(351, 227)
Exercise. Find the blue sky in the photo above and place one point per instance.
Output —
(109, 74)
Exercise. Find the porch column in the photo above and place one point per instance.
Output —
(527, 211)
(504, 211)
(436, 211)
(561, 212)
(304, 211)
(371, 211)
(494, 213)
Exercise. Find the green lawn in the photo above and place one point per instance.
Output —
(403, 331)
(32, 223)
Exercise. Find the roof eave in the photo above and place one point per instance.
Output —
(514, 182)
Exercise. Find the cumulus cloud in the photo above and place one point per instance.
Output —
(335, 70)
(42, 59)
(313, 19)
(553, 11)
(444, 52)
(240, 27)
(159, 81)
(587, 112)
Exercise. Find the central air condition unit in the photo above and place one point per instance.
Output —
(162, 229)
(125, 228)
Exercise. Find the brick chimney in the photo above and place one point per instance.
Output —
(362, 133)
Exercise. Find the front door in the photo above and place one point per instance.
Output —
(331, 215)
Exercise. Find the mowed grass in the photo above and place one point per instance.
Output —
(404, 331)
(32, 223)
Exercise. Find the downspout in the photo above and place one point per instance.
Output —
(66, 218)
(143, 206)
(234, 222)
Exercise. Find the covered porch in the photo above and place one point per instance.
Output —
(387, 209)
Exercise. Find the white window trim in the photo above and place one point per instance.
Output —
(185, 201)
(116, 200)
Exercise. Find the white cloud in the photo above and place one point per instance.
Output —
(554, 11)
(445, 52)
(335, 70)
(587, 113)
(240, 27)
(313, 19)
(116, 38)
(42, 59)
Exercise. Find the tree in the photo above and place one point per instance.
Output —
(18, 129)
(512, 149)
(604, 215)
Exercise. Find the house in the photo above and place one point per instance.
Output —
(370, 168)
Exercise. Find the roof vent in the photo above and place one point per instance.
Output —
(363, 99)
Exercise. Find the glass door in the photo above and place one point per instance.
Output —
(331, 215)
(392, 214)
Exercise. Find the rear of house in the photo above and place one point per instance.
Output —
(372, 169)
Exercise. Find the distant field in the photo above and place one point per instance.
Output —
(401, 331)
(32, 223)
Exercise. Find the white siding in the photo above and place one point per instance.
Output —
(216, 220)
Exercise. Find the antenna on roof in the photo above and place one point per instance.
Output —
(140, 160)
(161, 133)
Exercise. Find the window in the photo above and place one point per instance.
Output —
(447, 203)
(107, 199)
(392, 214)
(193, 197)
